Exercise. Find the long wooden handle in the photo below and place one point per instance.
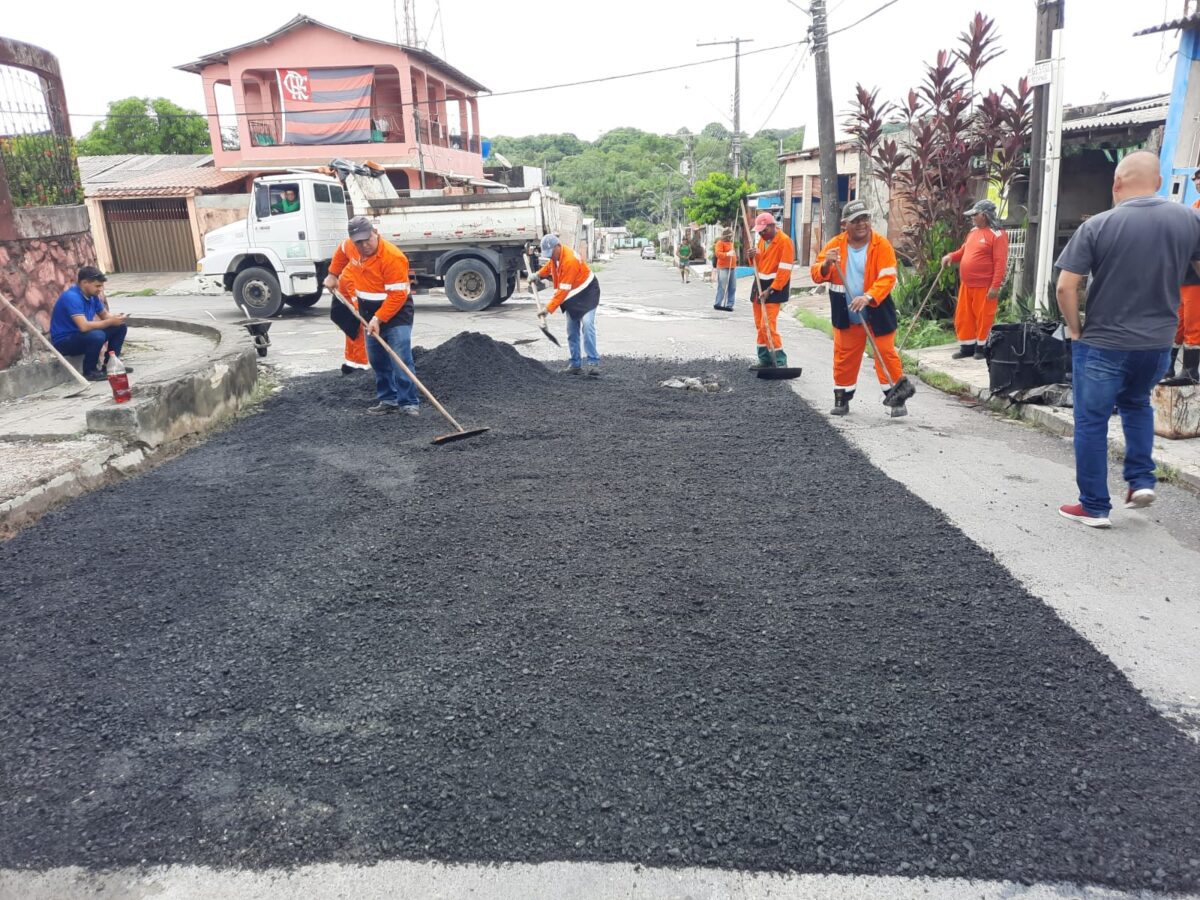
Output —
(399, 362)
(529, 275)
(33, 329)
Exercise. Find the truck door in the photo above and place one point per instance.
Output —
(281, 219)
(329, 217)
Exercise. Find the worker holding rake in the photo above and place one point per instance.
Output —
(860, 268)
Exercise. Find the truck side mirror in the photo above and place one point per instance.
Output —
(262, 202)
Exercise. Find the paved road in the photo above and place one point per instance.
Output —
(1131, 591)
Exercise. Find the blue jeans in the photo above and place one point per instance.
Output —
(726, 288)
(588, 324)
(89, 343)
(391, 385)
(1103, 379)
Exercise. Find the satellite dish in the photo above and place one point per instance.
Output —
(499, 157)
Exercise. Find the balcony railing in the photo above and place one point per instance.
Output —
(385, 129)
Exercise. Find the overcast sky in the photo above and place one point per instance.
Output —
(129, 47)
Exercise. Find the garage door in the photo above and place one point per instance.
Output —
(150, 235)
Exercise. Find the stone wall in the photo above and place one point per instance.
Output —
(33, 272)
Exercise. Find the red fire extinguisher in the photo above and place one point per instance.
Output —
(118, 378)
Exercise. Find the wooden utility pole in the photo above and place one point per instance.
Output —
(1049, 18)
(737, 97)
(830, 207)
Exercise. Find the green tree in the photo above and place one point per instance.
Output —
(142, 125)
(716, 198)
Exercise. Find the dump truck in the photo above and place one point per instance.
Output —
(470, 244)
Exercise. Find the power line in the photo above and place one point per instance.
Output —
(863, 19)
(783, 93)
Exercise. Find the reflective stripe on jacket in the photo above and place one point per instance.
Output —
(381, 279)
(879, 277)
(775, 260)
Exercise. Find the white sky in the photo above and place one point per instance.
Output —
(130, 47)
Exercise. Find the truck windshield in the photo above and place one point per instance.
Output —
(285, 198)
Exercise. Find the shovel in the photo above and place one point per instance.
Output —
(33, 329)
(459, 432)
(772, 372)
(538, 300)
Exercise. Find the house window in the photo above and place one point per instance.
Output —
(285, 198)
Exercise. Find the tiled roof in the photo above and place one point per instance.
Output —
(169, 183)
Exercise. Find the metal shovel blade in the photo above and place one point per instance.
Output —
(552, 338)
(459, 435)
(779, 373)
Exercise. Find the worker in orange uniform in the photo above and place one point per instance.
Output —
(774, 258)
(577, 291)
(1187, 335)
(865, 301)
(725, 262)
(380, 276)
(354, 358)
(982, 262)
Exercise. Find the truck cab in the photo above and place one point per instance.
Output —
(279, 254)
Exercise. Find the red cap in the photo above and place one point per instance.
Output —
(762, 220)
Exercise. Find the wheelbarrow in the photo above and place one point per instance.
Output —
(258, 328)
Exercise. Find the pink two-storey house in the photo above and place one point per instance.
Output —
(308, 93)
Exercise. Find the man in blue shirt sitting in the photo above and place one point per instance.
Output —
(81, 323)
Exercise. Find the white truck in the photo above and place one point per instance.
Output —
(470, 244)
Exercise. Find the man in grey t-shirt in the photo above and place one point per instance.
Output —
(1137, 254)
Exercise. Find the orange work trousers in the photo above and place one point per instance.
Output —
(356, 348)
(974, 315)
(848, 347)
(1188, 332)
(765, 316)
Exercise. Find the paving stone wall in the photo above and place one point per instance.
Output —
(33, 272)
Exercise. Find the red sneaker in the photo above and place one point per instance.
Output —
(1079, 514)
(1139, 499)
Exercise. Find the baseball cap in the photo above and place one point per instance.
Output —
(762, 220)
(549, 242)
(987, 207)
(360, 228)
(90, 273)
(855, 209)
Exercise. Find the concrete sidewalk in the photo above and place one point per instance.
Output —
(934, 366)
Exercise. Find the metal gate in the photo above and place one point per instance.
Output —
(150, 235)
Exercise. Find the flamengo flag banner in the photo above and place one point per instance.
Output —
(326, 106)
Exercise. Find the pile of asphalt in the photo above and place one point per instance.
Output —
(626, 624)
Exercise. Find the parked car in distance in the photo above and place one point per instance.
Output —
(648, 252)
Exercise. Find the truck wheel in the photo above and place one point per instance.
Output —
(257, 289)
(304, 301)
(470, 285)
(508, 290)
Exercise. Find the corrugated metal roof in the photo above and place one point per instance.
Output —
(1192, 21)
(1123, 116)
(169, 183)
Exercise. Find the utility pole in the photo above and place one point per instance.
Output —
(1049, 18)
(1049, 211)
(830, 208)
(737, 97)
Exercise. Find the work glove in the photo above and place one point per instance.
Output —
(537, 284)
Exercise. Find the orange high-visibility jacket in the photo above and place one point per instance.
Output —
(570, 275)
(726, 258)
(775, 260)
(880, 275)
(381, 278)
(983, 258)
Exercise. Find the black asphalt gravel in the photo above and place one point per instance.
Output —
(628, 623)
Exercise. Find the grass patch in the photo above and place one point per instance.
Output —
(927, 334)
(813, 320)
(940, 380)
(1166, 474)
(144, 292)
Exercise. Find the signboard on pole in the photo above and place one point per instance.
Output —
(1041, 73)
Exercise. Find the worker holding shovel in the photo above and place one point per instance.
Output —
(860, 267)
(577, 291)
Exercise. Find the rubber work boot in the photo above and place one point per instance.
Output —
(780, 359)
(841, 403)
(764, 360)
(896, 396)
(1171, 366)
(979, 354)
(1189, 371)
(964, 351)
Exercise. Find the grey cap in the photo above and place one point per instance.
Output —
(987, 207)
(854, 209)
(549, 242)
(360, 228)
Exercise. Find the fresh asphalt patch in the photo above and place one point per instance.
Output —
(628, 623)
